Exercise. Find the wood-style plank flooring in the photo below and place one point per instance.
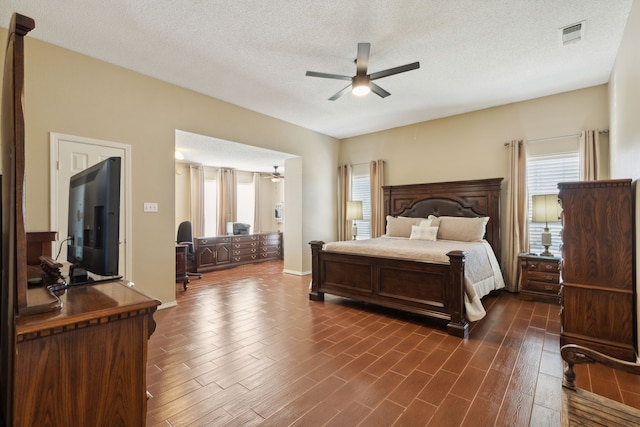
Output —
(246, 347)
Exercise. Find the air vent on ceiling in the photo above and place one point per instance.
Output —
(572, 33)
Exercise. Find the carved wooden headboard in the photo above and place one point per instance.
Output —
(459, 198)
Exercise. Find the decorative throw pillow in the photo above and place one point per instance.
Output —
(425, 223)
(462, 229)
(423, 233)
(401, 226)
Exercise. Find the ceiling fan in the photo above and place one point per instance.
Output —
(275, 175)
(362, 83)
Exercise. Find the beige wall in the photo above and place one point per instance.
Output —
(624, 104)
(471, 146)
(77, 95)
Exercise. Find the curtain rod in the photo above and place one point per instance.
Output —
(603, 131)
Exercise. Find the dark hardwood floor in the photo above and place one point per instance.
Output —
(245, 346)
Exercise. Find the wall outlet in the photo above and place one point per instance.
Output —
(150, 207)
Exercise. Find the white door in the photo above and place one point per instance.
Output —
(70, 155)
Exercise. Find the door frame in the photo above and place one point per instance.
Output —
(54, 144)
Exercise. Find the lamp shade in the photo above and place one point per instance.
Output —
(354, 209)
(546, 208)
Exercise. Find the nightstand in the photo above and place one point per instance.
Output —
(539, 278)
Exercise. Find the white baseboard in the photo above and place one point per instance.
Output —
(170, 304)
(296, 273)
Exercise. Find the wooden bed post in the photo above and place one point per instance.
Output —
(458, 325)
(316, 247)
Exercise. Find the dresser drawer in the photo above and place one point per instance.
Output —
(246, 258)
(545, 287)
(243, 251)
(247, 238)
(244, 245)
(543, 266)
(543, 277)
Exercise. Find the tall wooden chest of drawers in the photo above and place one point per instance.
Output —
(598, 283)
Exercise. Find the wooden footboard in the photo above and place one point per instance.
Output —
(432, 290)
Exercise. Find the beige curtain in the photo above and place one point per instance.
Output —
(256, 202)
(344, 194)
(196, 175)
(517, 233)
(589, 143)
(376, 176)
(226, 198)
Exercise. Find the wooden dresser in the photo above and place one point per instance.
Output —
(598, 284)
(214, 253)
(85, 364)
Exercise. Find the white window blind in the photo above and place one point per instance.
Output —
(361, 190)
(543, 175)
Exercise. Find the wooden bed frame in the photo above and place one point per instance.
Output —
(433, 290)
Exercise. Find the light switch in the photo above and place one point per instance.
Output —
(150, 207)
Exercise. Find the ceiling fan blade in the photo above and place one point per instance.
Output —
(327, 75)
(378, 90)
(394, 70)
(339, 94)
(362, 61)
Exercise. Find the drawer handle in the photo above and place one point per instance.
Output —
(532, 266)
(548, 278)
(253, 257)
(548, 287)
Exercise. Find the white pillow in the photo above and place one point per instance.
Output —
(425, 223)
(423, 233)
(462, 229)
(400, 226)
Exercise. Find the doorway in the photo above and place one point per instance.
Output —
(70, 155)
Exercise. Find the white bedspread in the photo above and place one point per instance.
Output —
(482, 271)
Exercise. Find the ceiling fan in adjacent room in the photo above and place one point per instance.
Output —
(362, 83)
(275, 175)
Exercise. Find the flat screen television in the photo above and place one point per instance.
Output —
(94, 222)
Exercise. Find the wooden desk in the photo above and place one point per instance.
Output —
(85, 364)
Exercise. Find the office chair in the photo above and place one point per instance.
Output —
(185, 237)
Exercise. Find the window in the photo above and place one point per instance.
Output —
(361, 190)
(210, 207)
(544, 172)
(245, 198)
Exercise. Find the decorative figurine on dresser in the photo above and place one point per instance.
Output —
(598, 283)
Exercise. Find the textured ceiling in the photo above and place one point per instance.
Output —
(473, 54)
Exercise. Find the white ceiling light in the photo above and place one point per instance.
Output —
(360, 86)
(179, 155)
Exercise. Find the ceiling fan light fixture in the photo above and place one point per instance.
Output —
(360, 86)
(275, 179)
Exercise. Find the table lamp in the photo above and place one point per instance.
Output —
(546, 208)
(354, 212)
